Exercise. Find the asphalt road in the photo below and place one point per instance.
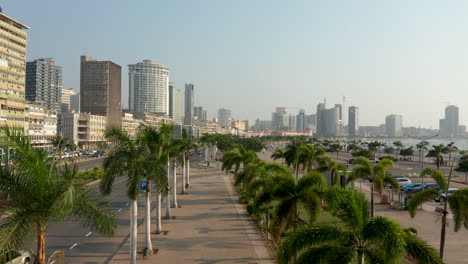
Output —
(79, 243)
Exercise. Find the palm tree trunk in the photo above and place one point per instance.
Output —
(174, 184)
(372, 200)
(133, 231)
(188, 173)
(158, 214)
(360, 257)
(444, 217)
(268, 222)
(148, 243)
(41, 243)
(183, 174)
(168, 197)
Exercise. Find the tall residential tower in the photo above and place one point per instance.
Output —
(189, 103)
(353, 121)
(12, 67)
(44, 83)
(148, 87)
(175, 103)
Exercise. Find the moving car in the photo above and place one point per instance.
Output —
(443, 196)
(404, 181)
(16, 257)
(412, 187)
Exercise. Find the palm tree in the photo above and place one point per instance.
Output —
(156, 171)
(437, 152)
(292, 194)
(379, 239)
(263, 186)
(167, 147)
(39, 192)
(310, 154)
(457, 202)
(237, 157)
(375, 174)
(278, 154)
(291, 157)
(329, 164)
(60, 143)
(399, 145)
(127, 156)
(421, 146)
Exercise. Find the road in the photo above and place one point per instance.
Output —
(82, 246)
(79, 244)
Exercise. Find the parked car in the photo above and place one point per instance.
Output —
(434, 186)
(16, 257)
(404, 181)
(397, 177)
(443, 196)
(412, 187)
(97, 155)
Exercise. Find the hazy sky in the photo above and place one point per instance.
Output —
(387, 57)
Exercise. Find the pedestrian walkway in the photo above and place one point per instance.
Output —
(210, 227)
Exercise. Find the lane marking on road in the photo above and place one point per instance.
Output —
(139, 195)
(87, 235)
(126, 204)
(74, 245)
(119, 210)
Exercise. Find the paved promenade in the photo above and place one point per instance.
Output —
(210, 227)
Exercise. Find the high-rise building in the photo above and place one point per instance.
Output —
(175, 103)
(224, 117)
(301, 121)
(12, 67)
(291, 122)
(449, 126)
(70, 100)
(279, 119)
(189, 103)
(200, 113)
(329, 121)
(44, 83)
(100, 89)
(148, 87)
(353, 121)
(394, 125)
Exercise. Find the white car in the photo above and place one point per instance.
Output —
(16, 257)
(404, 181)
(443, 196)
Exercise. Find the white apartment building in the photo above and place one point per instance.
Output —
(224, 117)
(130, 124)
(148, 87)
(86, 130)
(70, 100)
(41, 125)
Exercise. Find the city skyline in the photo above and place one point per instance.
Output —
(326, 69)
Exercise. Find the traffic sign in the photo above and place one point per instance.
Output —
(144, 185)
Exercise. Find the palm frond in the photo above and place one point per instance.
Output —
(327, 254)
(94, 212)
(421, 251)
(437, 175)
(459, 206)
(388, 233)
(420, 198)
(295, 242)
